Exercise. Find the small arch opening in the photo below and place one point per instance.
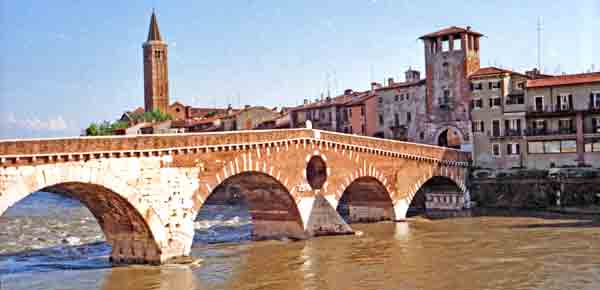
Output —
(316, 172)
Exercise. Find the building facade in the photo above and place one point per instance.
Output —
(563, 119)
(524, 121)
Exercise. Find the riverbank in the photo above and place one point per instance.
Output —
(564, 190)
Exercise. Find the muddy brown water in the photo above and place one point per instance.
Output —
(52, 243)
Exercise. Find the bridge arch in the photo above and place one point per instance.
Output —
(273, 209)
(434, 188)
(366, 199)
(124, 227)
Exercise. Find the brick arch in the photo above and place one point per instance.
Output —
(367, 192)
(123, 222)
(455, 174)
(274, 210)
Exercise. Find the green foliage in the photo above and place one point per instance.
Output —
(108, 128)
(153, 116)
(104, 128)
(210, 114)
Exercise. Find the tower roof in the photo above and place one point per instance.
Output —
(154, 33)
(451, 30)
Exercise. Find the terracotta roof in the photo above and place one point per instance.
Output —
(361, 99)
(449, 31)
(335, 101)
(402, 85)
(153, 32)
(196, 121)
(562, 80)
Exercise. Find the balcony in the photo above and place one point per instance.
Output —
(507, 133)
(594, 108)
(550, 111)
(592, 131)
(548, 132)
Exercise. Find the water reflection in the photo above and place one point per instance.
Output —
(146, 277)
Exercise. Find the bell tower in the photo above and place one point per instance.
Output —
(156, 73)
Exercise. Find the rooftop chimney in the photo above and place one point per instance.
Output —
(375, 85)
(348, 92)
(390, 82)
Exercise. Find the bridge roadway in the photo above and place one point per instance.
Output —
(146, 190)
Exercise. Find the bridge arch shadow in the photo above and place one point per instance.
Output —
(124, 228)
(438, 193)
(366, 199)
(251, 197)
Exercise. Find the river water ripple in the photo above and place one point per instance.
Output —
(49, 242)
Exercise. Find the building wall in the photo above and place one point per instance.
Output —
(484, 141)
(403, 101)
(177, 111)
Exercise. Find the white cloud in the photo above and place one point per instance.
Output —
(56, 123)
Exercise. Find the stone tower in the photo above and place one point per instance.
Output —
(156, 73)
(451, 55)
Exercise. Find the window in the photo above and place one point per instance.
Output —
(478, 126)
(396, 98)
(568, 146)
(422, 135)
(535, 147)
(445, 45)
(457, 43)
(515, 99)
(496, 128)
(380, 120)
(552, 147)
(521, 85)
(408, 117)
(592, 145)
(362, 111)
(477, 103)
(407, 96)
(512, 127)
(396, 120)
(565, 126)
(446, 96)
(330, 117)
(595, 100)
(564, 102)
(445, 70)
(596, 125)
(538, 104)
(496, 149)
(495, 101)
(513, 149)
(380, 100)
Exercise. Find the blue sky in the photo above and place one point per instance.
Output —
(65, 64)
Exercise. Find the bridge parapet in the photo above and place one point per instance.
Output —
(407, 148)
(84, 148)
(28, 147)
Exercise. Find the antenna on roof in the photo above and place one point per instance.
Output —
(328, 86)
(539, 43)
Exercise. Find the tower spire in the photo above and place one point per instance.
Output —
(153, 32)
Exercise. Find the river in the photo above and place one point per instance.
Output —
(49, 242)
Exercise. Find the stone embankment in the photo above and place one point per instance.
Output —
(556, 189)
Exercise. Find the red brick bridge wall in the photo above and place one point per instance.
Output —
(147, 190)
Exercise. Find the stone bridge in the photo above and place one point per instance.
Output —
(145, 191)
